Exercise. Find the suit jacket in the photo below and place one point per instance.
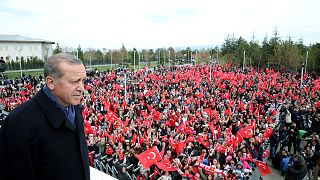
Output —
(38, 142)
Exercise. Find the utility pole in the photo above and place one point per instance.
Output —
(139, 59)
(111, 59)
(244, 58)
(134, 60)
(302, 75)
(20, 63)
(305, 69)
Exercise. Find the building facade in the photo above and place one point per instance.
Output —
(13, 47)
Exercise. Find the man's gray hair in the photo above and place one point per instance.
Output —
(51, 65)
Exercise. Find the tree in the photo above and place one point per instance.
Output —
(314, 57)
(57, 50)
(287, 54)
(241, 45)
(123, 52)
(80, 53)
(99, 55)
(266, 51)
(254, 52)
(274, 43)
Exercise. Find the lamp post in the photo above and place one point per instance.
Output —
(217, 54)
(134, 60)
(125, 86)
(111, 58)
(305, 68)
(244, 58)
(138, 59)
(90, 57)
(159, 57)
(210, 70)
(169, 58)
(302, 68)
(20, 63)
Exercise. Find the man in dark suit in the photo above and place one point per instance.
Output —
(43, 138)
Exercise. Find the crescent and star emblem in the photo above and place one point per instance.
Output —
(151, 155)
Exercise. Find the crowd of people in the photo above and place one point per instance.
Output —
(181, 122)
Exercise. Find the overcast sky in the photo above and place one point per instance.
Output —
(162, 23)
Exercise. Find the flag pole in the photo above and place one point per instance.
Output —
(305, 69)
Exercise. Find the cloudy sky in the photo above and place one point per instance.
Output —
(162, 23)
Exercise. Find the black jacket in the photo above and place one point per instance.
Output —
(37, 142)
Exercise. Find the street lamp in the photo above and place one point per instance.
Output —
(302, 68)
(159, 57)
(138, 59)
(111, 58)
(305, 69)
(90, 57)
(169, 58)
(134, 60)
(244, 59)
(210, 70)
(20, 63)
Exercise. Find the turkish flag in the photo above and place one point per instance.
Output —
(111, 138)
(156, 115)
(218, 130)
(249, 156)
(208, 111)
(173, 143)
(263, 168)
(228, 140)
(149, 157)
(180, 146)
(202, 141)
(147, 123)
(267, 133)
(121, 156)
(111, 116)
(155, 172)
(109, 150)
(265, 153)
(162, 151)
(238, 138)
(190, 176)
(200, 158)
(246, 132)
(190, 139)
(229, 129)
(165, 166)
(211, 126)
(220, 148)
(134, 138)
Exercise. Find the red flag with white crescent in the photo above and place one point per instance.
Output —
(149, 157)
(165, 166)
(263, 168)
(265, 153)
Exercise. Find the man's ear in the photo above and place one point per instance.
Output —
(50, 82)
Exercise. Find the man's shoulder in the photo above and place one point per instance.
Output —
(23, 108)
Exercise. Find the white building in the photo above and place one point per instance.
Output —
(14, 46)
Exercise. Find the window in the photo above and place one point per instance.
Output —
(5, 48)
(1, 48)
(35, 48)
